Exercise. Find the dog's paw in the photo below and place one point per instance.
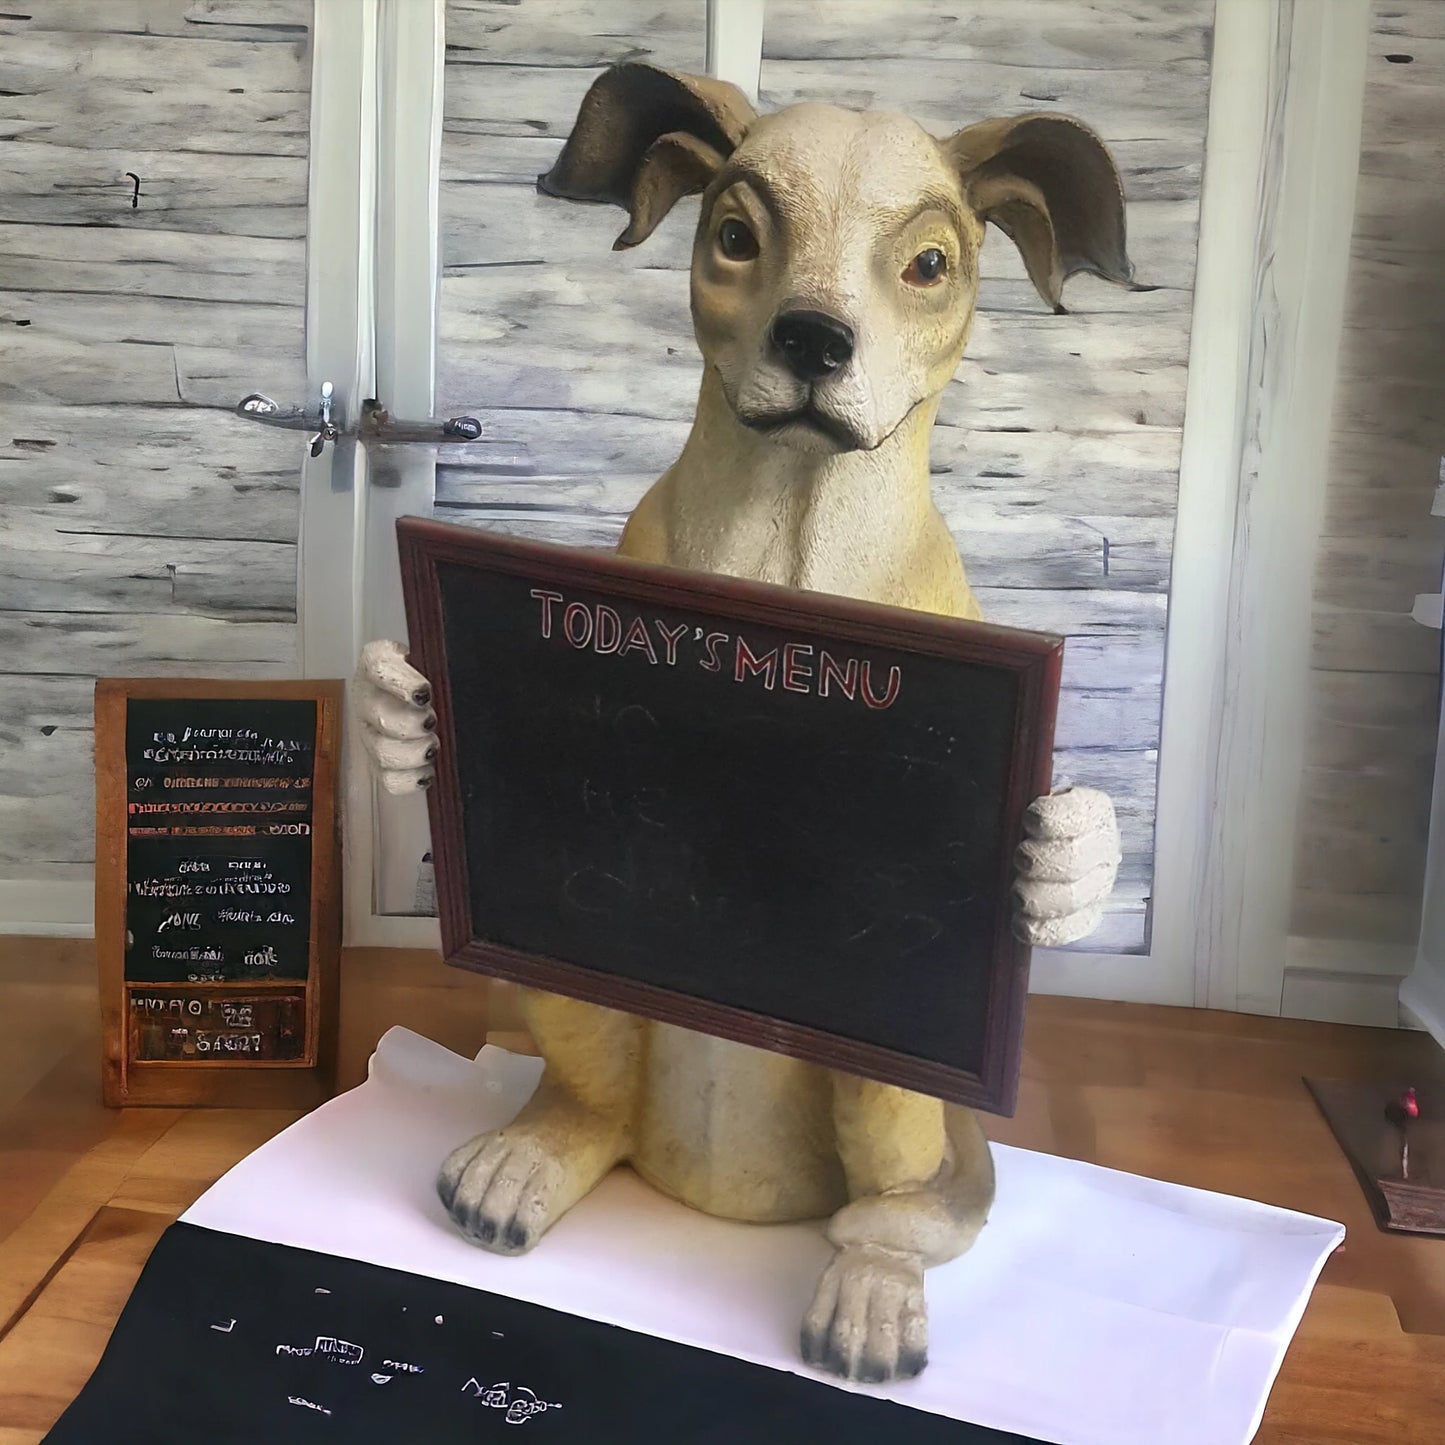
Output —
(391, 702)
(503, 1190)
(1066, 866)
(868, 1321)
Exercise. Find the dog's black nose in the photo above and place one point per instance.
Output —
(812, 344)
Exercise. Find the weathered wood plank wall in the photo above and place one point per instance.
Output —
(1364, 808)
(1057, 450)
(142, 530)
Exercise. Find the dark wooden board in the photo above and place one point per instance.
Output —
(1410, 1202)
(771, 815)
(218, 900)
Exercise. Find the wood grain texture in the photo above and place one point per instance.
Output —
(1056, 454)
(1364, 812)
(142, 529)
(1125, 1086)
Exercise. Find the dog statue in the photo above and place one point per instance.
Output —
(834, 279)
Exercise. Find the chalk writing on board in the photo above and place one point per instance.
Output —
(307, 1404)
(520, 1403)
(326, 1347)
(343, 1352)
(245, 747)
(792, 666)
(176, 1025)
(219, 818)
(188, 805)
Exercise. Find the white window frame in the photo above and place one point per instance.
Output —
(1281, 161)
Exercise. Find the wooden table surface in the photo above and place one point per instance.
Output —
(1207, 1099)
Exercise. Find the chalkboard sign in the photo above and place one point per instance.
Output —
(230, 1340)
(771, 815)
(217, 897)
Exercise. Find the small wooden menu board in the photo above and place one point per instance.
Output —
(217, 890)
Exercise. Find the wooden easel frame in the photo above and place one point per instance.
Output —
(239, 1082)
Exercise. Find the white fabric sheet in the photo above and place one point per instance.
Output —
(1097, 1308)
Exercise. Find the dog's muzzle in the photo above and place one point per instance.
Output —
(838, 433)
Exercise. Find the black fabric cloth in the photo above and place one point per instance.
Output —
(228, 1339)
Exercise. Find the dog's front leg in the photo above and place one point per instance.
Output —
(921, 1180)
(506, 1188)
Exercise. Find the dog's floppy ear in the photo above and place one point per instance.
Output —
(645, 138)
(1048, 182)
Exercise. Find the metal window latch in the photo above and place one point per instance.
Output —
(377, 426)
(319, 422)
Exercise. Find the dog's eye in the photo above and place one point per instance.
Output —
(736, 241)
(926, 268)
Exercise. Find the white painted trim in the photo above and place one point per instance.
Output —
(1365, 1000)
(1344, 981)
(1423, 992)
(1281, 160)
(403, 480)
(47, 909)
(735, 43)
(340, 347)
(1196, 646)
(396, 931)
(1215, 402)
(1355, 957)
(1305, 217)
(1131, 977)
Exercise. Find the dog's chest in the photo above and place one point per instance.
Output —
(737, 1131)
(791, 541)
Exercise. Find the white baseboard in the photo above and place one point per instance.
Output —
(1423, 995)
(1344, 981)
(47, 909)
(1125, 977)
(1367, 1000)
(1355, 956)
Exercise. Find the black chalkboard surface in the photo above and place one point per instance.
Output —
(763, 813)
(285, 1346)
(216, 895)
(264, 1342)
(218, 860)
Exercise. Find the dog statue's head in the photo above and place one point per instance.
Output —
(835, 268)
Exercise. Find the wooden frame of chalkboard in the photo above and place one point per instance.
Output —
(1019, 670)
(237, 1005)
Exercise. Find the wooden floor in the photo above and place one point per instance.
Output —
(1208, 1099)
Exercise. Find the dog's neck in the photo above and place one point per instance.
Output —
(743, 504)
